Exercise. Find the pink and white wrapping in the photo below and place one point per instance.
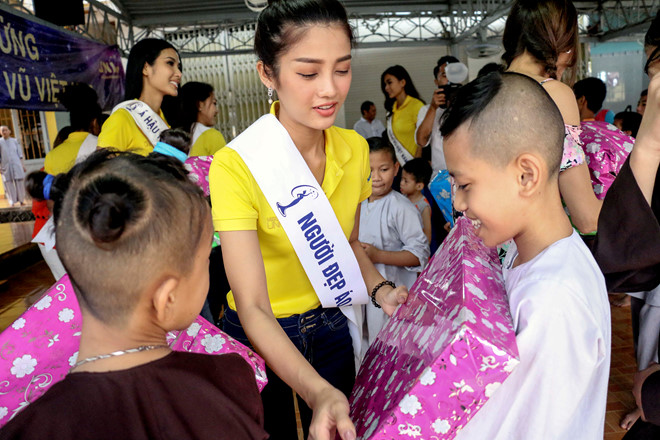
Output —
(198, 171)
(443, 353)
(41, 346)
(606, 149)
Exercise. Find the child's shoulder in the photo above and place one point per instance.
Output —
(564, 271)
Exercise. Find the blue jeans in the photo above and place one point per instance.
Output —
(322, 337)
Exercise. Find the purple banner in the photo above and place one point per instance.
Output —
(37, 60)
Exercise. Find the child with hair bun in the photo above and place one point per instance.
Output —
(134, 235)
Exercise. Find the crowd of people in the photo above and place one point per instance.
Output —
(323, 230)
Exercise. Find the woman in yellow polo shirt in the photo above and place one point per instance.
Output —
(152, 73)
(304, 51)
(85, 115)
(402, 103)
(199, 107)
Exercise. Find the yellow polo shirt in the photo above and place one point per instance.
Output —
(208, 143)
(239, 204)
(63, 157)
(404, 122)
(122, 133)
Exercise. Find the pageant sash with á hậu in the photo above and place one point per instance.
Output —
(147, 120)
(306, 216)
(402, 154)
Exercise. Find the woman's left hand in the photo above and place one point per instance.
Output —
(389, 298)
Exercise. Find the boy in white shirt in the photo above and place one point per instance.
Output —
(503, 143)
(390, 231)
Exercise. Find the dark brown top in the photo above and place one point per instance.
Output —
(627, 246)
(181, 396)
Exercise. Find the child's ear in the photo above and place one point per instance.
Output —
(531, 170)
(165, 299)
(419, 186)
(396, 167)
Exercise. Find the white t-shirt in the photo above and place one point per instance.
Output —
(368, 129)
(561, 316)
(435, 140)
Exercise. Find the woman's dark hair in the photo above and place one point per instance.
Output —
(144, 51)
(284, 22)
(545, 29)
(176, 137)
(652, 37)
(82, 103)
(400, 73)
(191, 94)
(62, 135)
(124, 222)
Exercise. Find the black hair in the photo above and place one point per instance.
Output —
(82, 103)
(594, 90)
(400, 73)
(645, 92)
(443, 60)
(62, 135)
(366, 105)
(123, 222)
(491, 67)
(191, 94)
(544, 28)
(652, 37)
(176, 137)
(381, 143)
(144, 51)
(507, 114)
(420, 169)
(280, 24)
(34, 184)
(630, 121)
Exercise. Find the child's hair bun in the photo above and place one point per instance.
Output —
(107, 206)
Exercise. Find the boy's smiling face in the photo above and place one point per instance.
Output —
(486, 193)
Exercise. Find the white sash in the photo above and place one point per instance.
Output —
(402, 154)
(87, 147)
(197, 131)
(147, 120)
(307, 217)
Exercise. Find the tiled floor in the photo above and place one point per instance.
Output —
(26, 286)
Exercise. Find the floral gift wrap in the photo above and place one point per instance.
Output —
(606, 149)
(41, 346)
(444, 352)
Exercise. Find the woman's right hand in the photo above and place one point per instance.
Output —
(330, 416)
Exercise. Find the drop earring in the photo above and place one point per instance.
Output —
(270, 96)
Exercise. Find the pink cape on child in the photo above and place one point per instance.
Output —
(41, 346)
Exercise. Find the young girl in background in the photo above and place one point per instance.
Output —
(402, 103)
(267, 185)
(199, 107)
(152, 73)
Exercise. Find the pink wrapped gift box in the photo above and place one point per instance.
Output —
(606, 149)
(41, 346)
(443, 353)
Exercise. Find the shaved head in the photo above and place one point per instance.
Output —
(507, 114)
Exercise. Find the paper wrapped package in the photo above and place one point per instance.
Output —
(443, 353)
(41, 346)
(606, 149)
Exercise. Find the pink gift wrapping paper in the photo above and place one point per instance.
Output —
(41, 346)
(606, 149)
(198, 171)
(443, 353)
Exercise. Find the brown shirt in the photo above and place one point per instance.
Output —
(627, 245)
(181, 396)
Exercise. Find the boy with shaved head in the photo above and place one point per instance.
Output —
(503, 141)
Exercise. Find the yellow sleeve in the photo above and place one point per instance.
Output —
(208, 143)
(233, 193)
(116, 131)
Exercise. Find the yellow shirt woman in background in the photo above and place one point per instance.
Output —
(152, 73)
(199, 108)
(402, 104)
